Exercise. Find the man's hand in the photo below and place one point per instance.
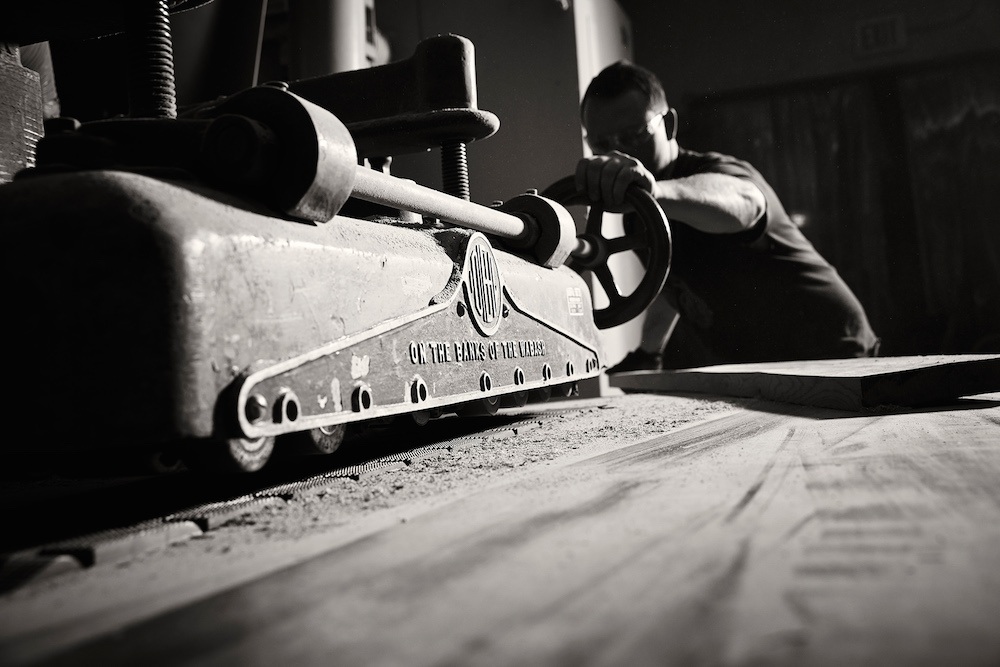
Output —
(605, 178)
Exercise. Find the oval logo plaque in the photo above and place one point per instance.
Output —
(483, 287)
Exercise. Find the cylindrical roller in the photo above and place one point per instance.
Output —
(294, 155)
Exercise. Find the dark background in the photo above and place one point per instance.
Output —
(878, 123)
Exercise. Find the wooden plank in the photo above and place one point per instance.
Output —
(842, 384)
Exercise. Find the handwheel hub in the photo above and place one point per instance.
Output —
(591, 252)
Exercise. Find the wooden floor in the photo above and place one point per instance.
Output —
(790, 535)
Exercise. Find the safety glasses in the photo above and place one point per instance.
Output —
(636, 136)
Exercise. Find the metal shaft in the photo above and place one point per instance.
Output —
(374, 186)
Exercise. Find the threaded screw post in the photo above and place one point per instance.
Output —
(151, 90)
(455, 169)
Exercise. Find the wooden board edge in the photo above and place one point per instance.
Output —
(838, 393)
(932, 384)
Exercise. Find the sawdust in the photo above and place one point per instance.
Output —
(587, 428)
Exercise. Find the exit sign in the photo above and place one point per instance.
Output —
(879, 35)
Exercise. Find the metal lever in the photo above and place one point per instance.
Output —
(534, 223)
(379, 188)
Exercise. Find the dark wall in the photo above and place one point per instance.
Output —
(951, 126)
(717, 46)
(526, 72)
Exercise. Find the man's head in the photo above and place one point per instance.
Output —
(625, 109)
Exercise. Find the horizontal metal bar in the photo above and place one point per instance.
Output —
(374, 186)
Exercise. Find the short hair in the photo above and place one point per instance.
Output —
(619, 78)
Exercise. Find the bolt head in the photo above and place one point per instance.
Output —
(256, 408)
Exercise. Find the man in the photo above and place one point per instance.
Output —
(746, 283)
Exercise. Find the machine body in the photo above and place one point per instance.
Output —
(206, 280)
(158, 310)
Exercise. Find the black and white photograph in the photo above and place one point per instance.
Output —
(478, 333)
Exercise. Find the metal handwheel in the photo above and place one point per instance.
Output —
(651, 241)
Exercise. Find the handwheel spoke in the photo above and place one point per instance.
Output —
(607, 281)
(624, 244)
(595, 220)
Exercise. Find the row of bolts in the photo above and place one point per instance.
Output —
(287, 406)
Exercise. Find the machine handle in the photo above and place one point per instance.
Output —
(374, 186)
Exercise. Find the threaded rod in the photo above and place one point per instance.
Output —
(150, 54)
(455, 169)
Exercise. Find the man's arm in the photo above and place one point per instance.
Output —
(711, 202)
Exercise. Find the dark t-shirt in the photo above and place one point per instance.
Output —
(763, 294)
